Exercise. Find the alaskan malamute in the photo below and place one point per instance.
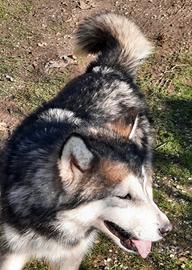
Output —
(81, 163)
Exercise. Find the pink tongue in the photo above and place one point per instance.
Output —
(143, 247)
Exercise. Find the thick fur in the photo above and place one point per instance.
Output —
(82, 158)
(118, 40)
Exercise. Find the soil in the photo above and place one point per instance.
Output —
(53, 22)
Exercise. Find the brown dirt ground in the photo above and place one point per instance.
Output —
(53, 22)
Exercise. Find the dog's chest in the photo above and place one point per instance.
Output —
(40, 247)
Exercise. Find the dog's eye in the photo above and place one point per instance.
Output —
(126, 197)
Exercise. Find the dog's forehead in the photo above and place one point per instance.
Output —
(114, 172)
(118, 173)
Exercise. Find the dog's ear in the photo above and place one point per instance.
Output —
(133, 120)
(125, 128)
(133, 127)
(75, 159)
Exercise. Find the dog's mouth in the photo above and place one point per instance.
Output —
(124, 237)
(127, 241)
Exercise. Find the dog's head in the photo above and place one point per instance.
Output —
(108, 182)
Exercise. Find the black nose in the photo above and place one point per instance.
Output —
(165, 229)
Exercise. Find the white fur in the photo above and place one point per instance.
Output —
(60, 115)
(132, 134)
(129, 35)
(36, 246)
(147, 184)
(14, 262)
(74, 147)
(133, 44)
(105, 70)
(141, 217)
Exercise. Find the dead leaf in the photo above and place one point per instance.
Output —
(3, 126)
(84, 5)
(9, 78)
(60, 63)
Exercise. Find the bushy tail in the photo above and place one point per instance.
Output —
(117, 39)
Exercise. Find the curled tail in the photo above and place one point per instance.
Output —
(116, 39)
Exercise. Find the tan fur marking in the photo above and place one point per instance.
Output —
(114, 172)
(121, 129)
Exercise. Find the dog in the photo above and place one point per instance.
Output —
(82, 163)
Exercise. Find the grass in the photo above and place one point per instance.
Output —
(171, 111)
